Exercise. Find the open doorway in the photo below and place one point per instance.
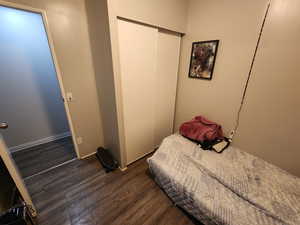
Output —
(39, 135)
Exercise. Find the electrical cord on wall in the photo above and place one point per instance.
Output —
(237, 123)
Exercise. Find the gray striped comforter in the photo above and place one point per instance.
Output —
(233, 188)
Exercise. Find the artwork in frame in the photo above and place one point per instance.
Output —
(203, 59)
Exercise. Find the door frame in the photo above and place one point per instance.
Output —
(43, 13)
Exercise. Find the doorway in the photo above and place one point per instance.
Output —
(39, 136)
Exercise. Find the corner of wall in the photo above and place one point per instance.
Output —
(99, 33)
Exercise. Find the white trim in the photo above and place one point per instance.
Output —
(140, 157)
(88, 155)
(39, 142)
(51, 168)
(123, 169)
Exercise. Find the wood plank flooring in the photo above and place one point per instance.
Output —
(81, 193)
(39, 158)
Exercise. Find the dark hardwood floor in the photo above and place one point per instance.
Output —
(81, 193)
(39, 158)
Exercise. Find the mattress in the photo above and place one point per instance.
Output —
(233, 188)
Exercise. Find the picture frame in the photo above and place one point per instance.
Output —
(203, 58)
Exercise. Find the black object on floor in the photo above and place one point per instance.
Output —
(106, 160)
(15, 216)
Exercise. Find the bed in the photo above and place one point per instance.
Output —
(233, 188)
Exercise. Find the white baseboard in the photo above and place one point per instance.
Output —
(123, 169)
(86, 156)
(38, 142)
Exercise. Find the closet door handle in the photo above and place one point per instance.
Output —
(3, 125)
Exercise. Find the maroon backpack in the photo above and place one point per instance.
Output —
(201, 129)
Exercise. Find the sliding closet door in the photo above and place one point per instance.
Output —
(138, 54)
(166, 84)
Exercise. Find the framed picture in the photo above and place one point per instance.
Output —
(203, 59)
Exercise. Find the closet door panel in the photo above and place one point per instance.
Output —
(138, 54)
(166, 83)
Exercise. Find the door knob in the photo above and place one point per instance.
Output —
(3, 125)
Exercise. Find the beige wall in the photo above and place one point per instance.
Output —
(236, 24)
(270, 122)
(169, 14)
(269, 125)
(69, 30)
(98, 21)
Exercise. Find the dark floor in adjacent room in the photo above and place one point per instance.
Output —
(40, 158)
(81, 193)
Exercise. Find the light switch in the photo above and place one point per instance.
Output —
(79, 140)
(70, 97)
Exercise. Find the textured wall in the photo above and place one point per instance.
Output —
(236, 24)
(270, 120)
(98, 21)
(169, 14)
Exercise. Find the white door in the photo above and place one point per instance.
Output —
(166, 84)
(149, 65)
(138, 46)
(12, 168)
